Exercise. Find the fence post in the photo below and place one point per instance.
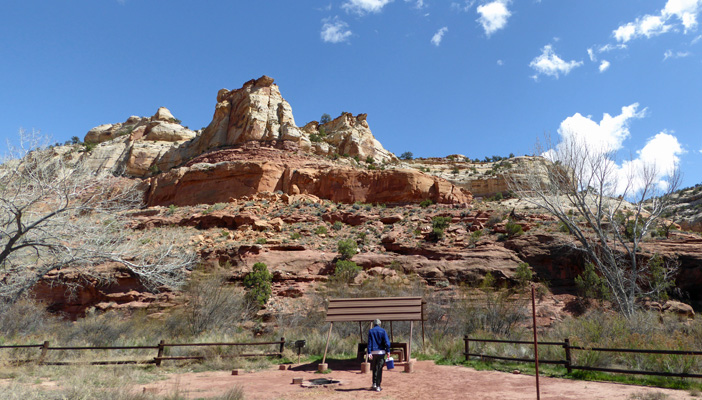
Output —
(282, 347)
(44, 349)
(467, 345)
(160, 353)
(566, 346)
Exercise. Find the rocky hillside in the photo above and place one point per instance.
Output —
(687, 208)
(481, 178)
(254, 187)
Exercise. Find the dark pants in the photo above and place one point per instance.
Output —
(377, 364)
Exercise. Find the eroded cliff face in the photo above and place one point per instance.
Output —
(146, 146)
(482, 179)
(232, 174)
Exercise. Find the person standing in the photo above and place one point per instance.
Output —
(378, 348)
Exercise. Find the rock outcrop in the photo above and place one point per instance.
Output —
(144, 146)
(483, 179)
(254, 168)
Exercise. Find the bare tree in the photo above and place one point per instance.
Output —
(602, 206)
(55, 213)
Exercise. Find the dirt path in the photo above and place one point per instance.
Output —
(429, 381)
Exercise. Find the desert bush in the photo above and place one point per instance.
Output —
(23, 318)
(513, 229)
(589, 284)
(494, 219)
(524, 275)
(345, 271)
(407, 155)
(427, 202)
(213, 305)
(347, 248)
(338, 225)
(321, 230)
(258, 284)
(438, 225)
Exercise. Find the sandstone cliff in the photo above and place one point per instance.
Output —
(482, 179)
(253, 168)
(144, 146)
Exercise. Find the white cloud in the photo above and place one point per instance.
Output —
(436, 39)
(548, 63)
(591, 54)
(670, 54)
(361, 7)
(697, 39)
(493, 16)
(418, 4)
(685, 11)
(607, 135)
(604, 65)
(466, 6)
(609, 47)
(660, 151)
(334, 30)
(500, 62)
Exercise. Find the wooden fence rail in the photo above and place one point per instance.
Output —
(160, 348)
(568, 361)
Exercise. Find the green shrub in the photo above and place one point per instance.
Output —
(325, 118)
(338, 225)
(295, 235)
(347, 248)
(524, 275)
(88, 147)
(321, 230)
(406, 155)
(258, 284)
(426, 203)
(563, 227)
(261, 241)
(345, 271)
(589, 284)
(438, 225)
(488, 282)
(513, 229)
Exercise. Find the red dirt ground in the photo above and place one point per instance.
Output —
(428, 381)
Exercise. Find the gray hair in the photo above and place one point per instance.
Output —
(376, 322)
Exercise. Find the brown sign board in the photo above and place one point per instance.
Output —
(383, 308)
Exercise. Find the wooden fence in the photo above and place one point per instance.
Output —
(567, 362)
(160, 348)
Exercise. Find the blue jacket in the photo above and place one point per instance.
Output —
(378, 340)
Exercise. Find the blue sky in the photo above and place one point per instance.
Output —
(478, 78)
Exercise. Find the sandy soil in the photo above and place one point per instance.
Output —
(428, 381)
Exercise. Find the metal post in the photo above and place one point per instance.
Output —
(324, 358)
(422, 307)
(409, 345)
(160, 352)
(568, 360)
(423, 345)
(536, 343)
(282, 347)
